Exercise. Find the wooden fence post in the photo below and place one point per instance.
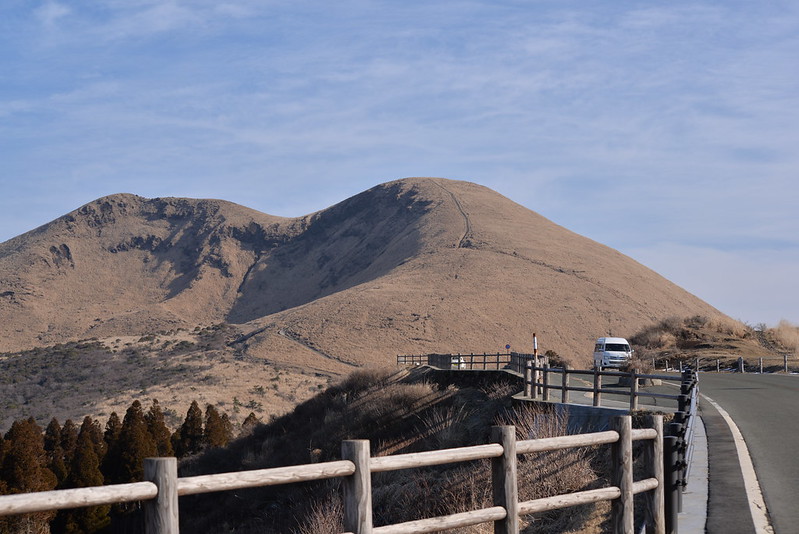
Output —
(564, 392)
(503, 479)
(357, 487)
(597, 387)
(528, 379)
(545, 380)
(161, 513)
(633, 390)
(656, 514)
(622, 477)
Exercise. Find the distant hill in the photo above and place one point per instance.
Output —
(411, 266)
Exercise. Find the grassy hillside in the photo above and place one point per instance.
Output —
(398, 412)
(710, 339)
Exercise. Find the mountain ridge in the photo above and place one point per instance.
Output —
(408, 266)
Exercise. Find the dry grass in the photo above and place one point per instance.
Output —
(787, 335)
(413, 266)
(399, 412)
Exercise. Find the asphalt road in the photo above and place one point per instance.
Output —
(764, 407)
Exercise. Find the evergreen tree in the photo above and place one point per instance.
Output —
(112, 429)
(84, 472)
(189, 437)
(94, 432)
(158, 430)
(249, 424)
(108, 465)
(134, 445)
(69, 440)
(55, 453)
(24, 470)
(218, 431)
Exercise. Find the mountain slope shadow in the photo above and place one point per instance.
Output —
(353, 242)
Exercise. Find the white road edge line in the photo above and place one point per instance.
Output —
(757, 506)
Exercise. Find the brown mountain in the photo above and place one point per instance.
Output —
(411, 266)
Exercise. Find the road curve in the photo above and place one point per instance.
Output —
(764, 409)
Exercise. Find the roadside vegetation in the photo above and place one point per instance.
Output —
(399, 412)
(711, 339)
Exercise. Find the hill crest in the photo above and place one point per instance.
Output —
(409, 266)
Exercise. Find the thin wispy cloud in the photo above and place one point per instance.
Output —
(632, 124)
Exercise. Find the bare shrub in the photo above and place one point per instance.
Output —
(787, 335)
(730, 327)
(325, 516)
(443, 427)
(552, 473)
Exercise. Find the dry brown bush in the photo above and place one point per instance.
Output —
(787, 335)
(731, 327)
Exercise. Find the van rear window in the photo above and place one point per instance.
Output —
(617, 347)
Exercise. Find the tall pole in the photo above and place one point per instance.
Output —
(536, 374)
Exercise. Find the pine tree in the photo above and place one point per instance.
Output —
(55, 453)
(94, 431)
(84, 472)
(249, 424)
(135, 444)
(218, 431)
(108, 465)
(24, 470)
(158, 430)
(112, 429)
(69, 439)
(189, 437)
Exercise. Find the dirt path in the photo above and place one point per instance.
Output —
(468, 232)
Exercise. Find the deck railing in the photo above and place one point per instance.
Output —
(162, 488)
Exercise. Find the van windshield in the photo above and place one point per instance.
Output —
(617, 347)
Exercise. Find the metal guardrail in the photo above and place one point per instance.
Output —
(679, 439)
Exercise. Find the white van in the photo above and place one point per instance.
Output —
(611, 352)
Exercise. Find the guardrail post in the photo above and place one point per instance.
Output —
(528, 379)
(634, 390)
(161, 513)
(564, 382)
(656, 520)
(357, 487)
(597, 387)
(678, 430)
(622, 477)
(545, 380)
(504, 481)
(671, 487)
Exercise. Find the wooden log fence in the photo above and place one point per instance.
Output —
(162, 488)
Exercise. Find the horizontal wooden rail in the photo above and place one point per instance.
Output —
(644, 433)
(357, 467)
(567, 442)
(557, 502)
(41, 501)
(437, 524)
(644, 485)
(264, 477)
(396, 462)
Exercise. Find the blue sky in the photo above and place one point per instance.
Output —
(666, 130)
